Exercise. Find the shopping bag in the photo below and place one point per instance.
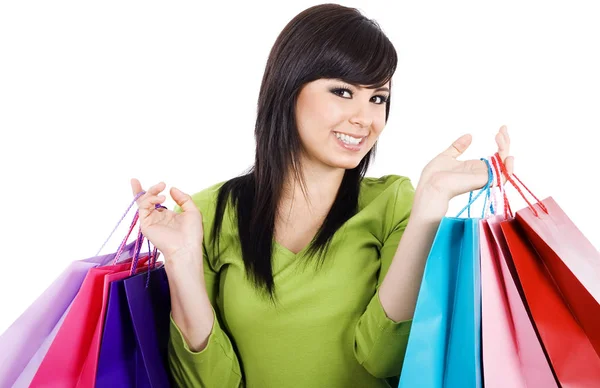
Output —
(542, 275)
(133, 352)
(571, 260)
(87, 377)
(512, 353)
(569, 349)
(444, 344)
(25, 342)
(445, 337)
(501, 366)
(63, 363)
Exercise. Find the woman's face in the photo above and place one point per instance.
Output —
(338, 123)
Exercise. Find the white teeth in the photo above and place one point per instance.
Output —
(348, 139)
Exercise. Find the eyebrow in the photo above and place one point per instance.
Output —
(382, 90)
(375, 91)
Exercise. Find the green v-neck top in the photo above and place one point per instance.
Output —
(329, 329)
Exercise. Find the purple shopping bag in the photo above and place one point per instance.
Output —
(25, 343)
(133, 352)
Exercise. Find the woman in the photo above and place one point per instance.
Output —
(306, 280)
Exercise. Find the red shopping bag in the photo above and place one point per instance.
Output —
(571, 353)
(570, 258)
(569, 348)
(63, 364)
(572, 261)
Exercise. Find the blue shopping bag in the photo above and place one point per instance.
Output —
(444, 345)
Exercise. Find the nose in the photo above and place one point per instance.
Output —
(362, 116)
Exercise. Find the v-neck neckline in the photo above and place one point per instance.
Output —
(288, 252)
(293, 255)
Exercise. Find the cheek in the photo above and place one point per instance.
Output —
(377, 127)
(318, 120)
(327, 115)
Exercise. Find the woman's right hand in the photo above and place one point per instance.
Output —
(174, 234)
(179, 237)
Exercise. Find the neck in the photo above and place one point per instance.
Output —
(322, 184)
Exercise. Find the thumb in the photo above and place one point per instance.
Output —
(182, 199)
(459, 146)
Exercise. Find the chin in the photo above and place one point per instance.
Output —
(347, 164)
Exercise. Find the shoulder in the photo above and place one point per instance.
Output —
(207, 197)
(206, 201)
(389, 198)
(386, 188)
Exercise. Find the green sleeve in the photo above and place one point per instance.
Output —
(379, 342)
(217, 364)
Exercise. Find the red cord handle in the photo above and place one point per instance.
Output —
(512, 182)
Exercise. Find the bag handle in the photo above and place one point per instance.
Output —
(153, 256)
(138, 247)
(124, 242)
(138, 243)
(498, 175)
(139, 240)
(510, 177)
(119, 223)
(485, 189)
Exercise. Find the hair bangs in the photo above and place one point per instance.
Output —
(354, 50)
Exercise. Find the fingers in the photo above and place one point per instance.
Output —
(503, 141)
(154, 190)
(459, 146)
(510, 165)
(183, 200)
(503, 169)
(156, 199)
(147, 202)
(136, 186)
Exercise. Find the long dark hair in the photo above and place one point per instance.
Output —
(323, 41)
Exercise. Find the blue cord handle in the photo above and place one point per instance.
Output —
(485, 189)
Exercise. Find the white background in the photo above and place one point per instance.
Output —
(92, 94)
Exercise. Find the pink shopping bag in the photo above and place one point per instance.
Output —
(512, 353)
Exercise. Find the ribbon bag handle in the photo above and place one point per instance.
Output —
(154, 254)
(507, 210)
(119, 223)
(138, 246)
(509, 178)
(485, 189)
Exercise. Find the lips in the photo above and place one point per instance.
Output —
(352, 135)
(351, 147)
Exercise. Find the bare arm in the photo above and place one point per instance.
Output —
(190, 306)
(400, 287)
(442, 179)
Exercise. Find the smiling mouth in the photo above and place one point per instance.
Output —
(350, 140)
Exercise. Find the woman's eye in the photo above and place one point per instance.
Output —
(341, 91)
(382, 99)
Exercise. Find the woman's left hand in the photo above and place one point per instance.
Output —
(448, 177)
